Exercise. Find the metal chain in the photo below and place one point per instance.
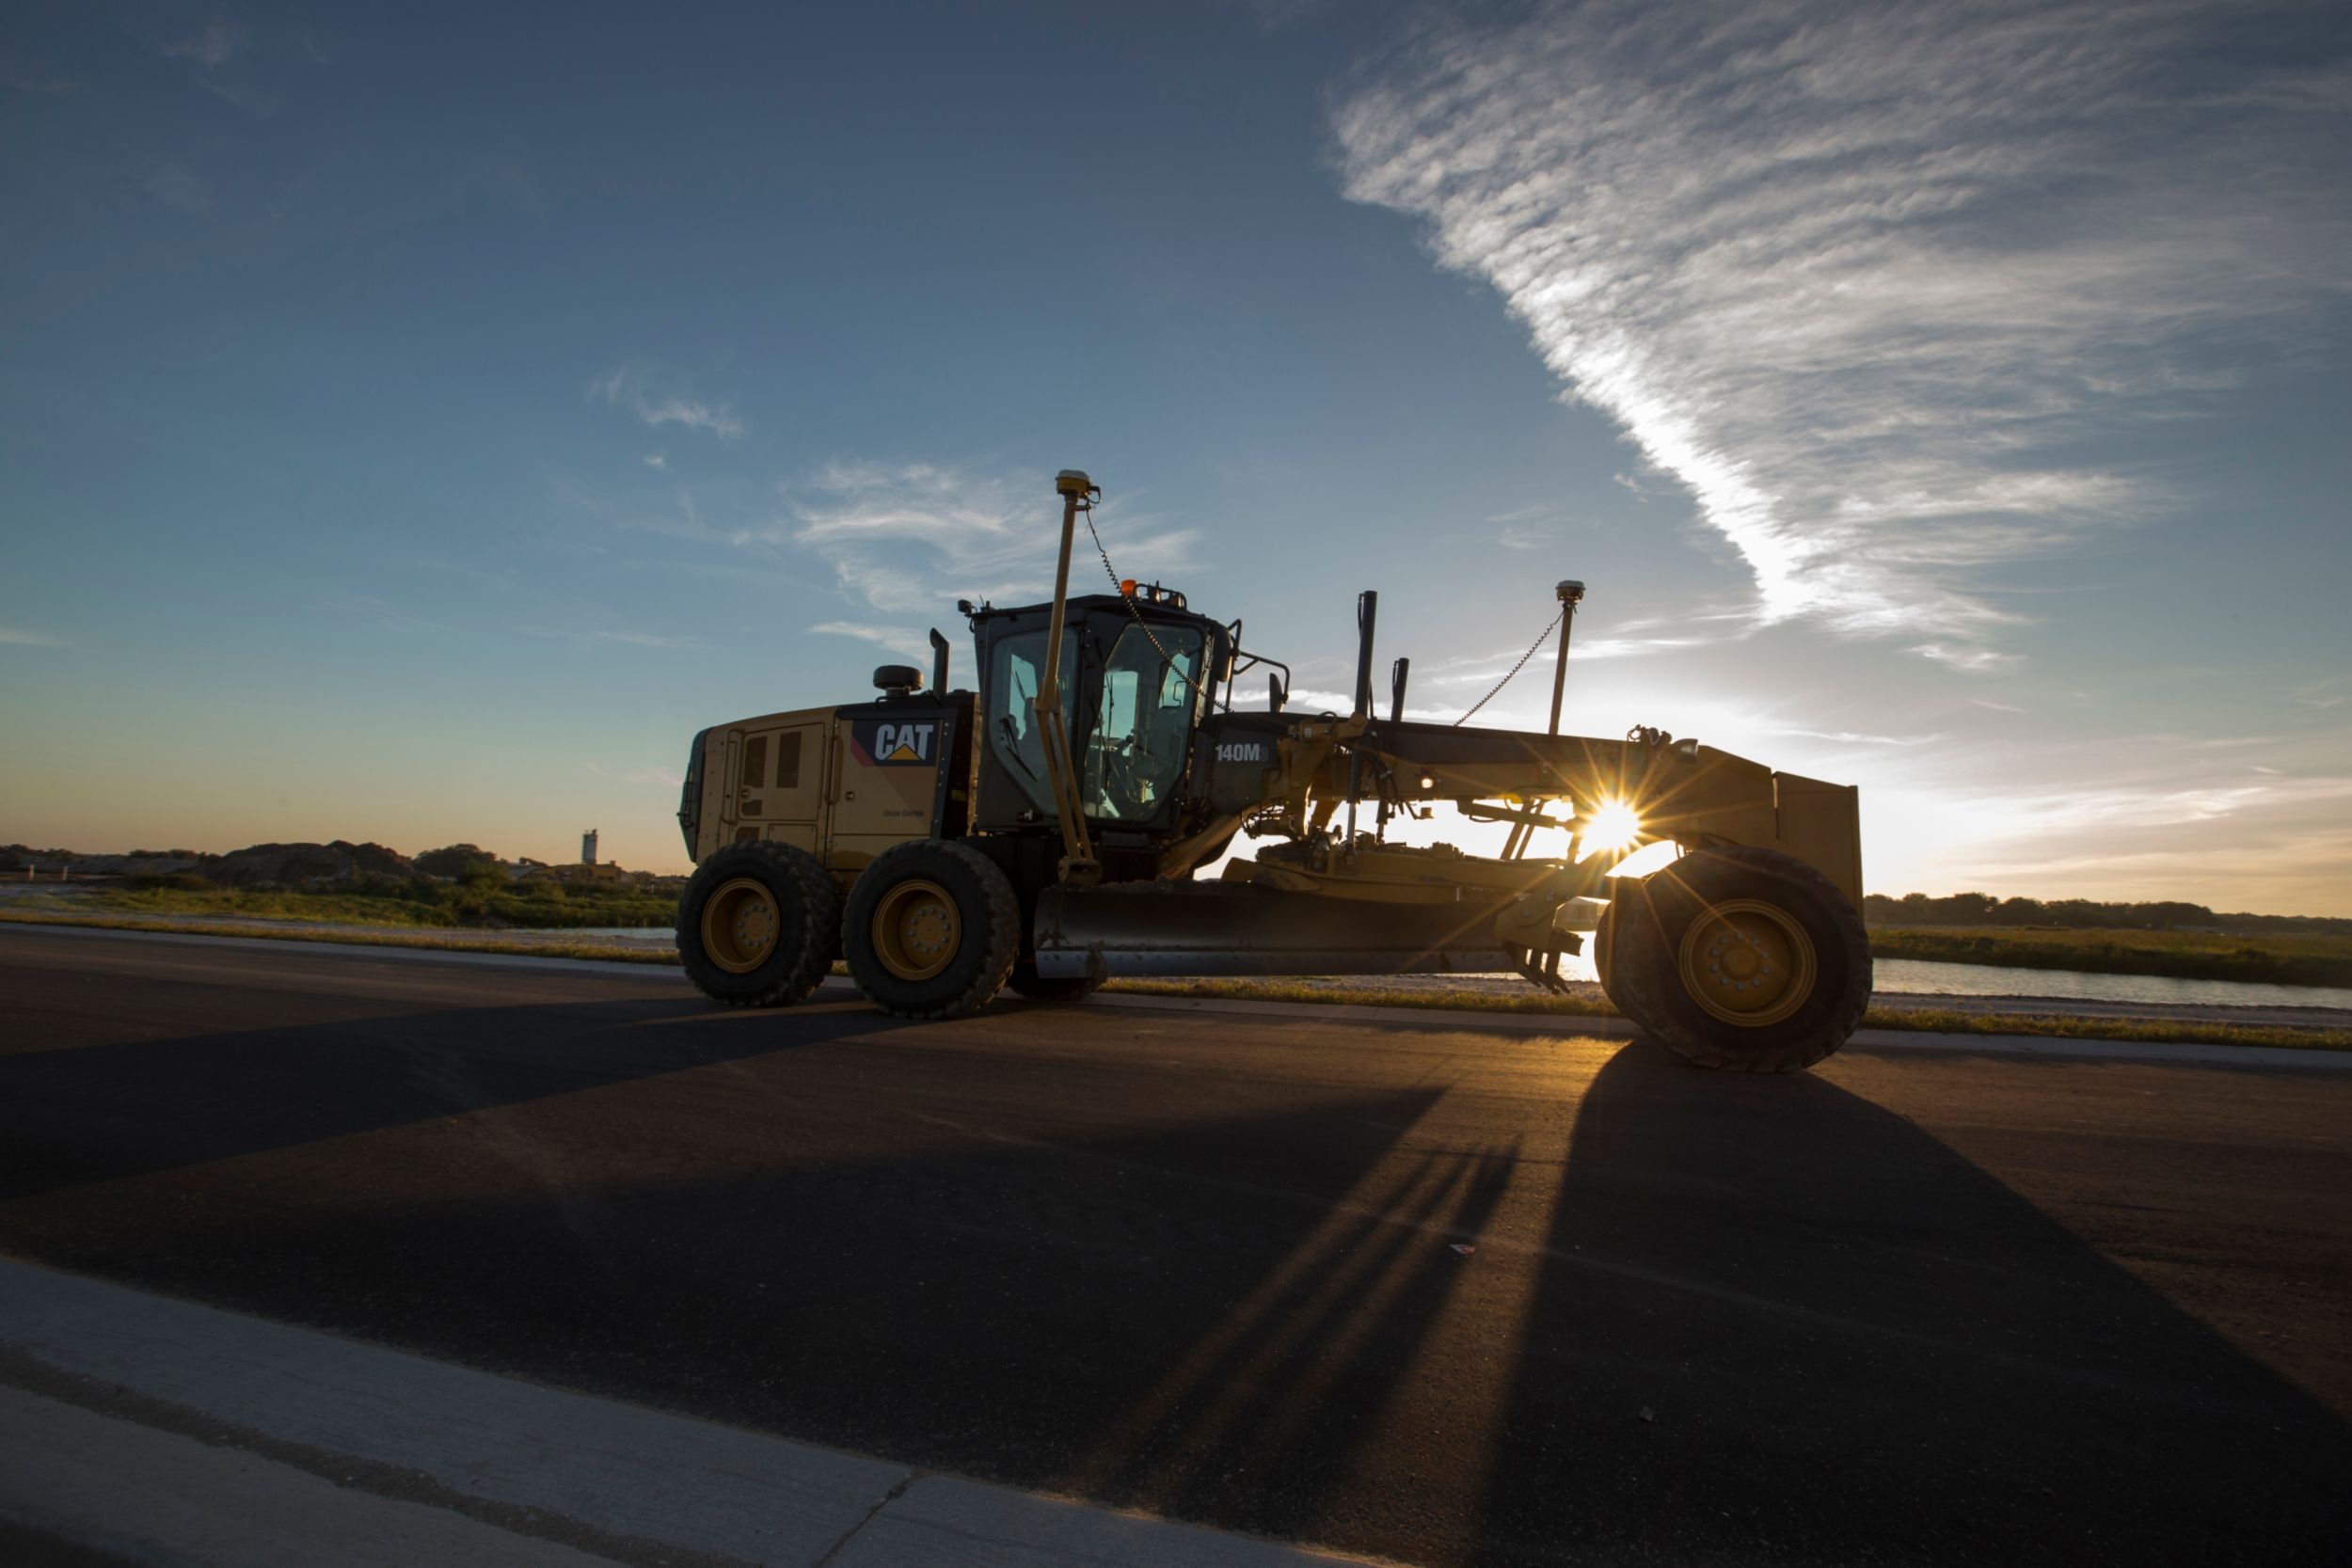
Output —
(1121, 587)
(1542, 638)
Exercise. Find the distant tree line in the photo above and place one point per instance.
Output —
(461, 862)
(1983, 909)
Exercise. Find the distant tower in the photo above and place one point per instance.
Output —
(588, 847)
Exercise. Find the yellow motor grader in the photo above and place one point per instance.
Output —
(1045, 830)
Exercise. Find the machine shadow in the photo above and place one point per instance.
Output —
(1202, 1317)
(1036, 1269)
(1775, 1321)
(95, 1113)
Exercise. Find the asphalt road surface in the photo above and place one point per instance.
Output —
(1911, 1307)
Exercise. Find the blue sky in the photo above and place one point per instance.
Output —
(414, 426)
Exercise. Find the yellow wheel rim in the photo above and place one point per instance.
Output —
(917, 929)
(739, 925)
(1748, 962)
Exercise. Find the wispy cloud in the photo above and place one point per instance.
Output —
(217, 42)
(19, 637)
(1527, 528)
(1634, 639)
(625, 638)
(226, 65)
(2332, 691)
(643, 639)
(1863, 278)
(909, 539)
(2066, 811)
(656, 459)
(660, 397)
(909, 641)
(1974, 658)
(1856, 738)
(45, 87)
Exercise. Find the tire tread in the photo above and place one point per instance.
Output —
(805, 964)
(1646, 981)
(1000, 927)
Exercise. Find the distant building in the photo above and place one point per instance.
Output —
(588, 847)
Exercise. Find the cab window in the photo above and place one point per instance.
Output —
(1016, 668)
(1143, 730)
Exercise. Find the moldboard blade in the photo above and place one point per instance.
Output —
(1217, 928)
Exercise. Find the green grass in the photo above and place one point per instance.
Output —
(1436, 998)
(2283, 960)
(420, 903)
(371, 938)
(1938, 1020)
(424, 904)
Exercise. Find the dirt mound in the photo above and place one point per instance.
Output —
(136, 863)
(294, 866)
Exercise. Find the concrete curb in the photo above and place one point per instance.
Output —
(173, 1431)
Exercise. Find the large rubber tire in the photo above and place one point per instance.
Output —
(986, 938)
(805, 911)
(1605, 951)
(1684, 905)
(1060, 988)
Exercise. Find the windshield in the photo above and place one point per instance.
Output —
(1137, 751)
(1016, 668)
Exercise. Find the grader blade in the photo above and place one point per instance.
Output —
(1236, 928)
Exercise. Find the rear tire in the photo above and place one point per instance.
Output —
(1741, 958)
(931, 929)
(755, 927)
(1059, 988)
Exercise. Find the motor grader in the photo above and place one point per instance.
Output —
(1046, 829)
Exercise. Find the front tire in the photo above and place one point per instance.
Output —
(755, 927)
(1605, 946)
(931, 929)
(1743, 959)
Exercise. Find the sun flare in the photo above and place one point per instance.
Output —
(1612, 826)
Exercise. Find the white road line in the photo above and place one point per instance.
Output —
(616, 1469)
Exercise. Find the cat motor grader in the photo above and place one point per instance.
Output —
(1045, 830)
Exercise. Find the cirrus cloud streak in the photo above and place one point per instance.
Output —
(1866, 280)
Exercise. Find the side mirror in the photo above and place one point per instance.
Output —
(1275, 695)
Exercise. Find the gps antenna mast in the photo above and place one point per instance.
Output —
(1078, 865)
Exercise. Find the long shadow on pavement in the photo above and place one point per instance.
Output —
(1854, 1345)
(1088, 1267)
(99, 1112)
(952, 1257)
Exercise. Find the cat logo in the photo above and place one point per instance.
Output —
(899, 745)
(1241, 751)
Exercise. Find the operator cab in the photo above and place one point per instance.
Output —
(1136, 683)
